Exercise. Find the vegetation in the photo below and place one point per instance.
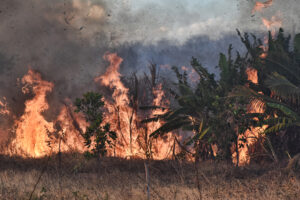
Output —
(120, 179)
(217, 110)
(206, 107)
(90, 105)
(278, 87)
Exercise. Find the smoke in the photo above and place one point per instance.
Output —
(287, 11)
(151, 21)
(65, 39)
(139, 55)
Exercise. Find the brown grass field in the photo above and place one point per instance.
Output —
(118, 179)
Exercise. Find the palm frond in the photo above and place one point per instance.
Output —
(282, 86)
(170, 126)
(287, 111)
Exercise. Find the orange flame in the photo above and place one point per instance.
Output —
(72, 139)
(123, 116)
(31, 133)
(32, 130)
(271, 25)
(256, 106)
(4, 107)
(161, 146)
(274, 23)
(252, 75)
(260, 5)
(119, 111)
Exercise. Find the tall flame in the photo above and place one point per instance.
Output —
(161, 146)
(32, 130)
(123, 117)
(120, 115)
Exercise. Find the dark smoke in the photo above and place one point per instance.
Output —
(39, 34)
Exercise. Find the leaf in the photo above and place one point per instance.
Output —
(204, 133)
(282, 86)
(169, 126)
(198, 136)
(152, 108)
(285, 110)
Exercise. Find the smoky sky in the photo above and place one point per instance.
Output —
(65, 40)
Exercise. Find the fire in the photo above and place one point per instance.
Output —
(161, 147)
(123, 117)
(71, 125)
(256, 106)
(184, 68)
(270, 24)
(260, 5)
(32, 130)
(120, 115)
(252, 75)
(37, 137)
(192, 74)
(274, 23)
(112, 79)
(4, 107)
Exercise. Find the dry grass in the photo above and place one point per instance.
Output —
(121, 179)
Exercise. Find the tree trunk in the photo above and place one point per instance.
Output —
(147, 179)
(237, 149)
(59, 167)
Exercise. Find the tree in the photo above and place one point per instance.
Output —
(205, 109)
(91, 106)
(278, 88)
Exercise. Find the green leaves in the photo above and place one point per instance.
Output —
(282, 87)
(222, 105)
(288, 112)
(91, 106)
(204, 105)
(279, 125)
(278, 86)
